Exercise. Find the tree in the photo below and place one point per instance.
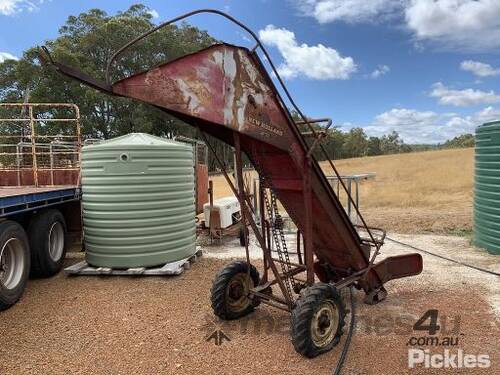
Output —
(462, 141)
(391, 143)
(87, 41)
(374, 147)
(356, 143)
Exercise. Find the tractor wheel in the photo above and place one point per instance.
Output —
(317, 320)
(230, 291)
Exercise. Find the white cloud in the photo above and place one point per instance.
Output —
(380, 71)
(452, 24)
(464, 24)
(316, 62)
(469, 123)
(351, 11)
(154, 13)
(412, 125)
(427, 126)
(8, 7)
(479, 69)
(403, 116)
(11, 7)
(486, 115)
(244, 37)
(7, 56)
(463, 98)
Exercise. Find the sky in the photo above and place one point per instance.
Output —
(428, 69)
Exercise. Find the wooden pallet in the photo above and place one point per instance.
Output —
(169, 269)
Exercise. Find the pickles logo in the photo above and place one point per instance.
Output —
(447, 359)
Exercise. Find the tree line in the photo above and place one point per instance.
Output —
(356, 143)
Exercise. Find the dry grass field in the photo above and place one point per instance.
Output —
(417, 192)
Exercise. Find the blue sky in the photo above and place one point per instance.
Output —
(425, 68)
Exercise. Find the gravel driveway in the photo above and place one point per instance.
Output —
(152, 325)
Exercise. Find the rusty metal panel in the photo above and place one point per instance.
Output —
(399, 266)
(221, 84)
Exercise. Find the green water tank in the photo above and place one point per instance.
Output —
(487, 187)
(138, 201)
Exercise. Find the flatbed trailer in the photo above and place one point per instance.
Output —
(40, 214)
(21, 200)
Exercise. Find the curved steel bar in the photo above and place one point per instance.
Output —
(169, 22)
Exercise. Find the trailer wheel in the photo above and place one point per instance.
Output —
(47, 235)
(317, 320)
(230, 297)
(14, 263)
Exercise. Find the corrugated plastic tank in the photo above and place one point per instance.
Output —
(138, 201)
(487, 187)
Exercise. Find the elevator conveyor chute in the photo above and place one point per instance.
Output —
(225, 91)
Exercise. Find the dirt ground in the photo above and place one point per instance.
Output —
(450, 219)
(152, 325)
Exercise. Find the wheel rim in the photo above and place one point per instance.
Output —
(11, 263)
(324, 324)
(56, 241)
(237, 292)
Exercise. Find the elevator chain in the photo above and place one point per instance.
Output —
(277, 223)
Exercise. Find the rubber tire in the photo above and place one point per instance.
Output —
(303, 313)
(42, 265)
(220, 284)
(9, 229)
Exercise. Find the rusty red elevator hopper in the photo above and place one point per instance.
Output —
(223, 90)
